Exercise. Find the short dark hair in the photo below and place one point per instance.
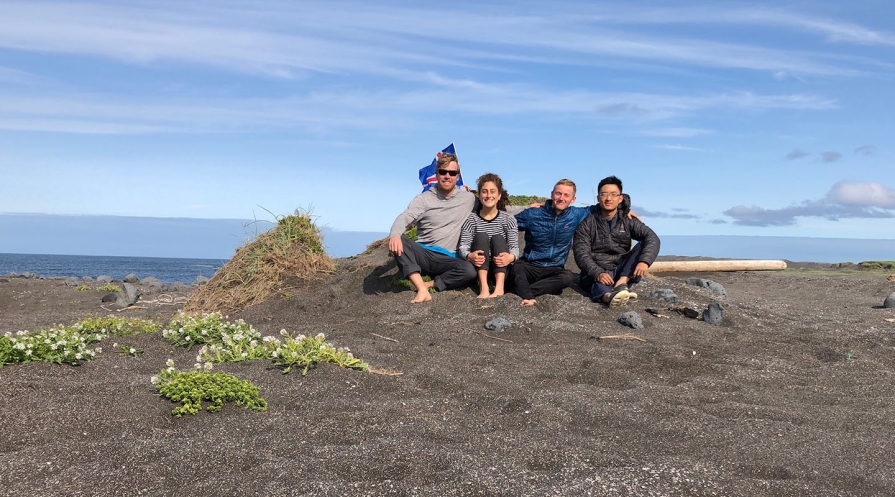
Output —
(610, 180)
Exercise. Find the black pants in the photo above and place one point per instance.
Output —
(448, 272)
(497, 244)
(529, 281)
(626, 268)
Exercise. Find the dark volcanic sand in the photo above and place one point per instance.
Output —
(792, 395)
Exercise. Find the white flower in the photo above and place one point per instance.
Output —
(98, 349)
(208, 366)
(284, 332)
(197, 366)
(133, 350)
(27, 352)
(78, 356)
(170, 370)
(320, 336)
(170, 363)
(154, 380)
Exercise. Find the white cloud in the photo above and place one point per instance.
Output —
(864, 194)
(680, 147)
(677, 132)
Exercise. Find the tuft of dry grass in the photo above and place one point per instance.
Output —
(292, 251)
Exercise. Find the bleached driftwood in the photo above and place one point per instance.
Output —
(711, 266)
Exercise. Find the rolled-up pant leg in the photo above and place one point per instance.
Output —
(448, 272)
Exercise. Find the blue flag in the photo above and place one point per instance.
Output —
(427, 174)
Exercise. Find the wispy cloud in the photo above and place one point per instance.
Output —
(676, 132)
(830, 156)
(680, 147)
(796, 154)
(846, 199)
(866, 150)
(676, 215)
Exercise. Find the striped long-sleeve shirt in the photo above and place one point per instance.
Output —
(503, 224)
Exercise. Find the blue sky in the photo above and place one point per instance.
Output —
(721, 118)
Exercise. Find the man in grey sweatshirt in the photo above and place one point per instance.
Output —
(439, 214)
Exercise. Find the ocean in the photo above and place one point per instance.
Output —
(168, 270)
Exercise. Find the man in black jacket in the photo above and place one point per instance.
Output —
(602, 248)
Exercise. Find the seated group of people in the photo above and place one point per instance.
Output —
(459, 241)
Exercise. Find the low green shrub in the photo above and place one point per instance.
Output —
(108, 287)
(304, 352)
(82, 288)
(192, 388)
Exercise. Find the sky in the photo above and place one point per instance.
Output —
(753, 118)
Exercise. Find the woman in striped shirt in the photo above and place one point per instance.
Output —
(489, 238)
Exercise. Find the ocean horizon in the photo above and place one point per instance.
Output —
(185, 269)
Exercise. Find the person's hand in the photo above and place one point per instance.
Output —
(395, 245)
(536, 205)
(631, 215)
(503, 259)
(605, 279)
(640, 269)
(477, 258)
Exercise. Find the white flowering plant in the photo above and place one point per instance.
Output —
(207, 328)
(68, 344)
(303, 351)
(127, 350)
(192, 388)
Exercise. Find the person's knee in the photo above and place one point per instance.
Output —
(467, 270)
(566, 278)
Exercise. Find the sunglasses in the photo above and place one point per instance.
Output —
(445, 172)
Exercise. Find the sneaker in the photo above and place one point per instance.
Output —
(619, 297)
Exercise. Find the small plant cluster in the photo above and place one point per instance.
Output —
(526, 200)
(108, 288)
(400, 280)
(191, 388)
(68, 344)
(234, 342)
(82, 288)
(127, 350)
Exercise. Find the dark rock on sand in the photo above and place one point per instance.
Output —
(71, 281)
(713, 314)
(29, 275)
(631, 319)
(103, 280)
(131, 278)
(178, 287)
(4, 280)
(151, 282)
(110, 297)
(664, 295)
(128, 296)
(890, 301)
(498, 324)
(200, 280)
(716, 288)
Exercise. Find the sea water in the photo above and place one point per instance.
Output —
(168, 270)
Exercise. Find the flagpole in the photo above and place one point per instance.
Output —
(461, 169)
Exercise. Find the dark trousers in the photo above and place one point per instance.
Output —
(529, 281)
(626, 268)
(448, 272)
(492, 246)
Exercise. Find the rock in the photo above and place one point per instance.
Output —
(200, 280)
(178, 287)
(110, 297)
(664, 295)
(131, 278)
(151, 282)
(890, 301)
(128, 296)
(13, 274)
(631, 319)
(71, 281)
(4, 280)
(498, 324)
(86, 280)
(29, 275)
(103, 280)
(716, 288)
(713, 314)
(891, 277)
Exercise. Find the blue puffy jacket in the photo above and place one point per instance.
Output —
(548, 235)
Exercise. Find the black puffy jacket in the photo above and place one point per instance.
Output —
(598, 251)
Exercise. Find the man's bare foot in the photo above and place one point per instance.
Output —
(485, 295)
(496, 293)
(422, 296)
(529, 302)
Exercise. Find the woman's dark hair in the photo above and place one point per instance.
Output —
(504, 196)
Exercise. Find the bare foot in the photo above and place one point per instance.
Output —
(496, 293)
(485, 295)
(422, 296)
(529, 302)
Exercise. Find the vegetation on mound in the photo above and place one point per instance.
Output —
(878, 265)
(525, 200)
(290, 251)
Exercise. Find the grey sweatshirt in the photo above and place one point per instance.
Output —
(438, 217)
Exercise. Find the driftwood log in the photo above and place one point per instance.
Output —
(711, 266)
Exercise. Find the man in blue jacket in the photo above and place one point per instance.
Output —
(549, 230)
